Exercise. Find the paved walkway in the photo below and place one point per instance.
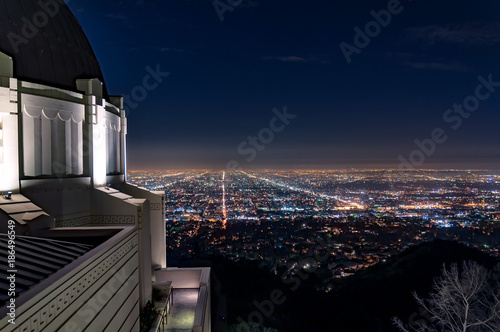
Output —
(181, 316)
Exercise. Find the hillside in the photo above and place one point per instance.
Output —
(364, 302)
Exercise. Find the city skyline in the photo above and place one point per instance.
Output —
(365, 81)
(207, 208)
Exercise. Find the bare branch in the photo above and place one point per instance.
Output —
(465, 301)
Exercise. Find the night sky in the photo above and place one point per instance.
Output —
(226, 77)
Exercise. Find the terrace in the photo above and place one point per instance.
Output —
(186, 308)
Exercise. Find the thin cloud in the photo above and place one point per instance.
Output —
(169, 49)
(443, 66)
(117, 16)
(472, 34)
(291, 58)
(297, 59)
(160, 49)
(243, 4)
(427, 61)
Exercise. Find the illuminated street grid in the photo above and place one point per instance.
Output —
(358, 217)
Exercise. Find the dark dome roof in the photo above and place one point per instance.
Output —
(58, 54)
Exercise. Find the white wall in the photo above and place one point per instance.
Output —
(9, 151)
(180, 278)
(157, 221)
(52, 136)
(116, 206)
(63, 199)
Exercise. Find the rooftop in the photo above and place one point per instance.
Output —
(35, 260)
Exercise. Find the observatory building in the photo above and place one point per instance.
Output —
(82, 250)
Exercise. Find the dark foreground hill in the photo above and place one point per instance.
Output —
(365, 302)
(368, 301)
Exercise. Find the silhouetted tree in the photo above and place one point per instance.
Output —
(460, 302)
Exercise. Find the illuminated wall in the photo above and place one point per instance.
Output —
(99, 147)
(52, 137)
(112, 128)
(9, 152)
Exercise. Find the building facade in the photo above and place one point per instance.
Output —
(88, 245)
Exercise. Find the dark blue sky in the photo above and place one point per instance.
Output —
(226, 78)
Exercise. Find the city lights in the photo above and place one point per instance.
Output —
(275, 216)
